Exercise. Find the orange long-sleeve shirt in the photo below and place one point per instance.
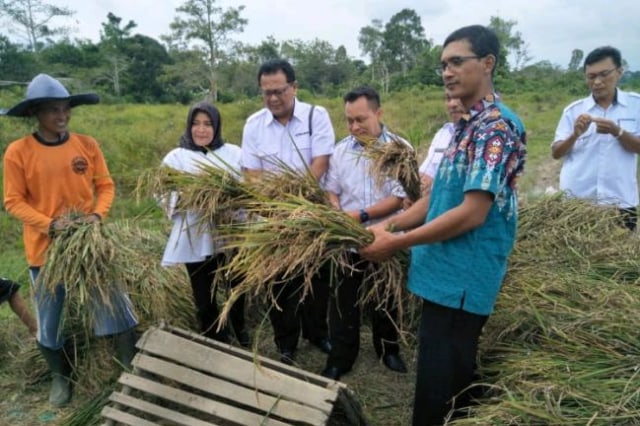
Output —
(45, 181)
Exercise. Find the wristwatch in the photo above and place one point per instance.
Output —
(364, 216)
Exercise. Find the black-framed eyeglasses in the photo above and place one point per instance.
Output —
(454, 62)
(601, 75)
(274, 92)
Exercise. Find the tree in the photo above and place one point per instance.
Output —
(510, 43)
(112, 42)
(394, 47)
(146, 58)
(31, 20)
(209, 28)
(16, 64)
(403, 40)
(371, 41)
(576, 60)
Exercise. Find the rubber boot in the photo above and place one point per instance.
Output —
(60, 392)
(125, 346)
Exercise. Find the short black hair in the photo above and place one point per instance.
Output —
(483, 41)
(373, 98)
(601, 53)
(272, 66)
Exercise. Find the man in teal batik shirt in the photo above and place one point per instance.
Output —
(459, 254)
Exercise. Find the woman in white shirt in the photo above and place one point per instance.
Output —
(191, 242)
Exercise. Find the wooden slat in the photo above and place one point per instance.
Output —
(286, 409)
(290, 370)
(125, 418)
(196, 402)
(157, 411)
(201, 357)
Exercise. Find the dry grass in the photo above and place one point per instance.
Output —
(394, 160)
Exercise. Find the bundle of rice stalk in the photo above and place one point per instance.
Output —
(284, 180)
(157, 293)
(83, 258)
(98, 262)
(213, 192)
(297, 237)
(396, 160)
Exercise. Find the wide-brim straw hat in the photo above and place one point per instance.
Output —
(45, 88)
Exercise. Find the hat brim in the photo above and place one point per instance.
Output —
(24, 108)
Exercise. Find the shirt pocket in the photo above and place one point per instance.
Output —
(628, 124)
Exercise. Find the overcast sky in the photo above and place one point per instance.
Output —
(551, 28)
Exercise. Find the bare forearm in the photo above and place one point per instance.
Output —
(319, 166)
(461, 219)
(412, 217)
(630, 142)
(384, 207)
(561, 148)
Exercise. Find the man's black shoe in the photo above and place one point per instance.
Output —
(332, 372)
(394, 363)
(323, 344)
(286, 357)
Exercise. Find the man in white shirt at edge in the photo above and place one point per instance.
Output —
(598, 138)
(301, 136)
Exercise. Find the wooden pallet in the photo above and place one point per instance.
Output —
(181, 378)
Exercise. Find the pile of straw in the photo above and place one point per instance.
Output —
(563, 345)
(395, 160)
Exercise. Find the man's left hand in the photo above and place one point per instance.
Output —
(383, 246)
(606, 126)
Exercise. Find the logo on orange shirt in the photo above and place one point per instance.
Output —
(79, 165)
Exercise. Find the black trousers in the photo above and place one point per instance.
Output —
(344, 319)
(308, 315)
(629, 217)
(446, 360)
(201, 275)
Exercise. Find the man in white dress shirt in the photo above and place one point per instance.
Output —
(301, 136)
(598, 138)
(352, 188)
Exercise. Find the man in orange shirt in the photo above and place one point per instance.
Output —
(49, 175)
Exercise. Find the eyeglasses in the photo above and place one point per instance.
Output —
(601, 75)
(454, 62)
(275, 92)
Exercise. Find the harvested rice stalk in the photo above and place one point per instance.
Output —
(297, 237)
(562, 346)
(213, 192)
(98, 262)
(285, 180)
(83, 259)
(396, 160)
(157, 293)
